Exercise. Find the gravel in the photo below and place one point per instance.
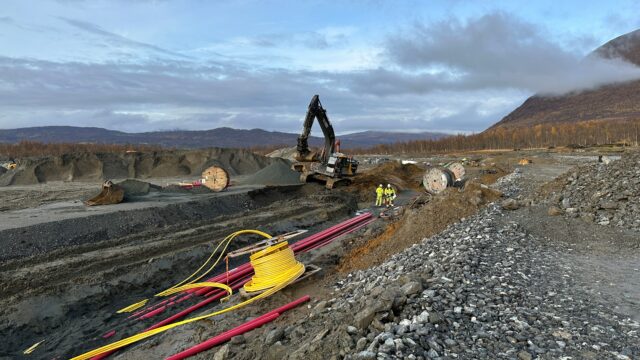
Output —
(608, 194)
(482, 289)
(279, 173)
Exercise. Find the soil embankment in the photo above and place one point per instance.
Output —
(69, 293)
(102, 166)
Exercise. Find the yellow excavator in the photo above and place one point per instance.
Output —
(330, 165)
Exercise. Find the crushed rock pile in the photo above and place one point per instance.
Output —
(482, 289)
(279, 173)
(433, 217)
(608, 194)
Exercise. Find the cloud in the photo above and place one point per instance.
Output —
(497, 51)
(116, 39)
(151, 96)
(320, 39)
(450, 75)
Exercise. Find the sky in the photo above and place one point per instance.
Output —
(452, 66)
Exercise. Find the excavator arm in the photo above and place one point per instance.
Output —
(314, 111)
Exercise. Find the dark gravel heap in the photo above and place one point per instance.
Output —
(482, 289)
(275, 174)
(608, 194)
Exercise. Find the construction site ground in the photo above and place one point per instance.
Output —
(65, 269)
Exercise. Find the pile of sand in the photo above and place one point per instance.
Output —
(103, 166)
(279, 173)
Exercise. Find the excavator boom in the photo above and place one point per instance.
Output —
(316, 111)
(328, 166)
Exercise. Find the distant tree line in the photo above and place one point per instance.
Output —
(586, 133)
(35, 148)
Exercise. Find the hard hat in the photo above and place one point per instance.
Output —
(380, 185)
(388, 185)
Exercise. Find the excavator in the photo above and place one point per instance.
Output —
(330, 165)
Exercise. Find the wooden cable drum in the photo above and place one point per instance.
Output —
(435, 180)
(457, 169)
(215, 178)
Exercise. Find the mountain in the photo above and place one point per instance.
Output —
(620, 101)
(221, 137)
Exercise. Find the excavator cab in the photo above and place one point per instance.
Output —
(330, 165)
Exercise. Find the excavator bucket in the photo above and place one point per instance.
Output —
(110, 194)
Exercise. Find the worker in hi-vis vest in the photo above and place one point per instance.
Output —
(379, 194)
(389, 195)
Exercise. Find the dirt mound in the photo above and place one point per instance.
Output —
(288, 153)
(133, 188)
(103, 166)
(608, 194)
(279, 173)
(439, 212)
(403, 177)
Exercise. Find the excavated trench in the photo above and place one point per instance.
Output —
(66, 293)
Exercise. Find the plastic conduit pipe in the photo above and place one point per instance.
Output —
(322, 234)
(334, 237)
(328, 232)
(246, 268)
(338, 231)
(248, 326)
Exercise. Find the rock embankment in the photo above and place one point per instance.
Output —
(608, 194)
(481, 289)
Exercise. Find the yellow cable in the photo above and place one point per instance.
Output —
(194, 286)
(272, 266)
(133, 307)
(275, 266)
(32, 348)
(230, 237)
(226, 241)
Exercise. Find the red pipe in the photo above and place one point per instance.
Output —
(309, 243)
(224, 337)
(245, 269)
(332, 238)
(109, 334)
(248, 326)
(328, 231)
(153, 313)
(334, 230)
(191, 309)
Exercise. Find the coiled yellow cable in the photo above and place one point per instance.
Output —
(274, 266)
